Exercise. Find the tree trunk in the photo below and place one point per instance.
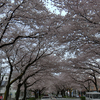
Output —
(25, 90)
(63, 93)
(36, 94)
(88, 86)
(57, 93)
(39, 93)
(6, 92)
(70, 92)
(18, 92)
(96, 85)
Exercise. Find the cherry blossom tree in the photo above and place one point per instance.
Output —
(21, 59)
(21, 22)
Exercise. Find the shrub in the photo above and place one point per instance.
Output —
(32, 98)
(64, 96)
(82, 98)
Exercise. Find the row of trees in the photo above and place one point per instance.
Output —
(34, 43)
(27, 38)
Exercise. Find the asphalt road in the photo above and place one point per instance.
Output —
(63, 99)
(67, 98)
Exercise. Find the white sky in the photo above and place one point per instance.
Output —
(12, 1)
(53, 9)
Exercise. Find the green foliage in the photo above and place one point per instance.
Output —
(32, 98)
(64, 96)
(82, 98)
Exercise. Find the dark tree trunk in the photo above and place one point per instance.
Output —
(25, 90)
(88, 86)
(7, 92)
(70, 92)
(39, 93)
(57, 93)
(18, 92)
(63, 93)
(36, 94)
(96, 82)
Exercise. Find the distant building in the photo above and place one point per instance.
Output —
(3, 88)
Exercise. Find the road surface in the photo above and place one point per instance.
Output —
(67, 99)
(64, 99)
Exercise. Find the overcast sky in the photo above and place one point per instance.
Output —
(50, 5)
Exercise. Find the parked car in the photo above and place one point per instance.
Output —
(77, 96)
(59, 96)
(20, 98)
(46, 98)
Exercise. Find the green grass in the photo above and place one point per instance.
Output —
(70, 97)
(64, 96)
(32, 98)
